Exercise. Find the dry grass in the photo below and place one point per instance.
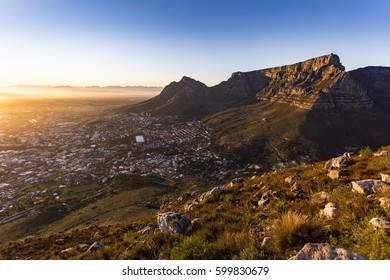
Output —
(293, 229)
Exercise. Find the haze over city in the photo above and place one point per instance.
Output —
(151, 43)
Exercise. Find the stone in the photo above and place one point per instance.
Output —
(95, 247)
(367, 187)
(381, 154)
(59, 241)
(82, 246)
(385, 178)
(217, 190)
(263, 202)
(237, 182)
(267, 242)
(68, 250)
(330, 210)
(338, 162)
(267, 196)
(320, 197)
(256, 231)
(97, 235)
(325, 251)
(337, 174)
(380, 224)
(385, 202)
(289, 179)
(173, 222)
(191, 206)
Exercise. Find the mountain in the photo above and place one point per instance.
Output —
(311, 107)
(320, 83)
(377, 82)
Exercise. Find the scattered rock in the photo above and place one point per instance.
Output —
(380, 224)
(289, 179)
(217, 190)
(237, 182)
(68, 250)
(173, 222)
(95, 246)
(191, 206)
(59, 241)
(385, 178)
(325, 251)
(320, 197)
(337, 174)
(367, 187)
(381, 154)
(267, 242)
(82, 246)
(338, 162)
(385, 202)
(145, 230)
(267, 196)
(97, 235)
(330, 210)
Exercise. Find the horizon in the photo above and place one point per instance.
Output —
(151, 43)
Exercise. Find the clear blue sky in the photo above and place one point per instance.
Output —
(146, 42)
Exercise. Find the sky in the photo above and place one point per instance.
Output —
(151, 43)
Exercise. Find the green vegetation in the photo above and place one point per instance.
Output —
(232, 225)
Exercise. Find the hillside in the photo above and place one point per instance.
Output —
(263, 217)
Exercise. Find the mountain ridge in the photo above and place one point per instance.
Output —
(319, 83)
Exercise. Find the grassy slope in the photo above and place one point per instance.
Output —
(224, 222)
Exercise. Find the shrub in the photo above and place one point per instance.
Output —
(190, 248)
(292, 229)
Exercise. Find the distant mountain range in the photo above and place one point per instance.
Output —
(314, 103)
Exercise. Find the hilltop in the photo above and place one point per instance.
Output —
(261, 217)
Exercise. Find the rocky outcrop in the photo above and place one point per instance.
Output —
(173, 222)
(376, 80)
(325, 251)
(320, 83)
(95, 247)
(338, 162)
(367, 187)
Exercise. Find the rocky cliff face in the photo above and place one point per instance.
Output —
(377, 82)
(320, 83)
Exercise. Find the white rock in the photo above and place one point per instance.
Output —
(267, 242)
(385, 178)
(325, 251)
(380, 224)
(173, 222)
(385, 201)
(330, 210)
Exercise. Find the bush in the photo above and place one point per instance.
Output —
(293, 229)
(190, 248)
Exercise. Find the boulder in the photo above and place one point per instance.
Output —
(325, 251)
(385, 178)
(338, 162)
(367, 187)
(337, 174)
(385, 202)
(173, 222)
(380, 224)
(330, 210)
(95, 246)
